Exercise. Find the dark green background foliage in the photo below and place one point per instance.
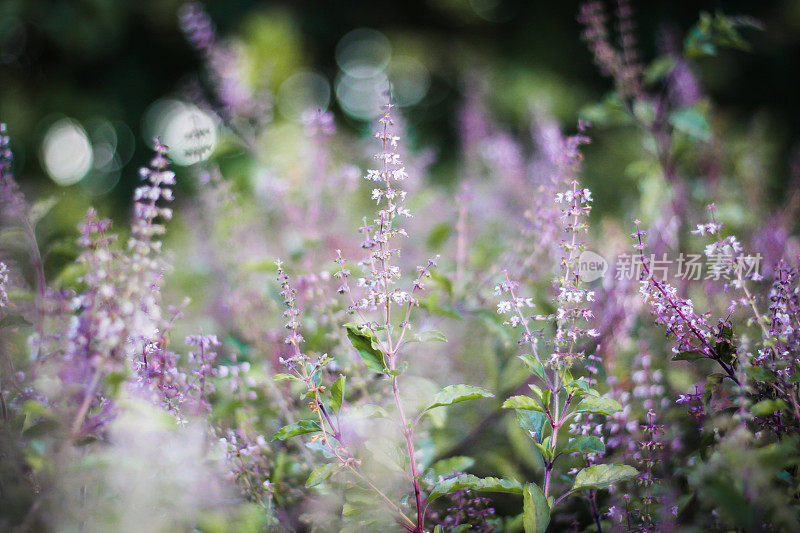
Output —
(112, 58)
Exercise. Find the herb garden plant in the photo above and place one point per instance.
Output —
(368, 351)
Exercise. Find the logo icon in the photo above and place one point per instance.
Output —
(591, 266)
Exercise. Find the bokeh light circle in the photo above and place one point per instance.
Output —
(189, 132)
(66, 152)
(362, 98)
(410, 80)
(363, 53)
(302, 91)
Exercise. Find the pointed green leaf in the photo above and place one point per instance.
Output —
(468, 481)
(457, 393)
(603, 476)
(579, 387)
(40, 209)
(321, 473)
(536, 510)
(689, 355)
(533, 365)
(299, 428)
(585, 444)
(598, 405)
(522, 402)
(532, 421)
(367, 345)
(337, 393)
(544, 449)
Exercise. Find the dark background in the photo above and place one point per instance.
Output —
(112, 58)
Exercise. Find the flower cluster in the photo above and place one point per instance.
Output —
(145, 267)
(694, 401)
(651, 447)
(249, 465)
(11, 198)
(468, 511)
(380, 275)
(3, 284)
(621, 64)
(784, 297)
(676, 314)
(515, 306)
(572, 298)
(100, 330)
(725, 254)
(203, 368)
(222, 62)
(292, 314)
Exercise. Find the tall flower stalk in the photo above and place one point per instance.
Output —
(381, 331)
(379, 282)
(14, 206)
(559, 398)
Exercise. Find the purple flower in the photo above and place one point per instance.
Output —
(3, 283)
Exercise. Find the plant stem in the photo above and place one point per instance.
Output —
(408, 434)
(87, 401)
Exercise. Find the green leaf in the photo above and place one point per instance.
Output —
(726, 352)
(532, 421)
(544, 449)
(367, 345)
(537, 392)
(446, 467)
(598, 405)
(457, 393)
(536, 510)
(114, 381)
(283, 377)
(439, 235)
(431, 304)
(468, 481)
(34, 408)
(429, 335)
(658, 69)
(579, 388)
(608, 112)
(321, 473)
(713, 381)
(337, 393)
(692, 123)
(533, 365)
(522, 402)
(10, 321)
(585, 444)
(300, 428)
(758, 373)
(689, 355)
(767, 407)
(719, 30)
(603, 476)
(40, 209)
